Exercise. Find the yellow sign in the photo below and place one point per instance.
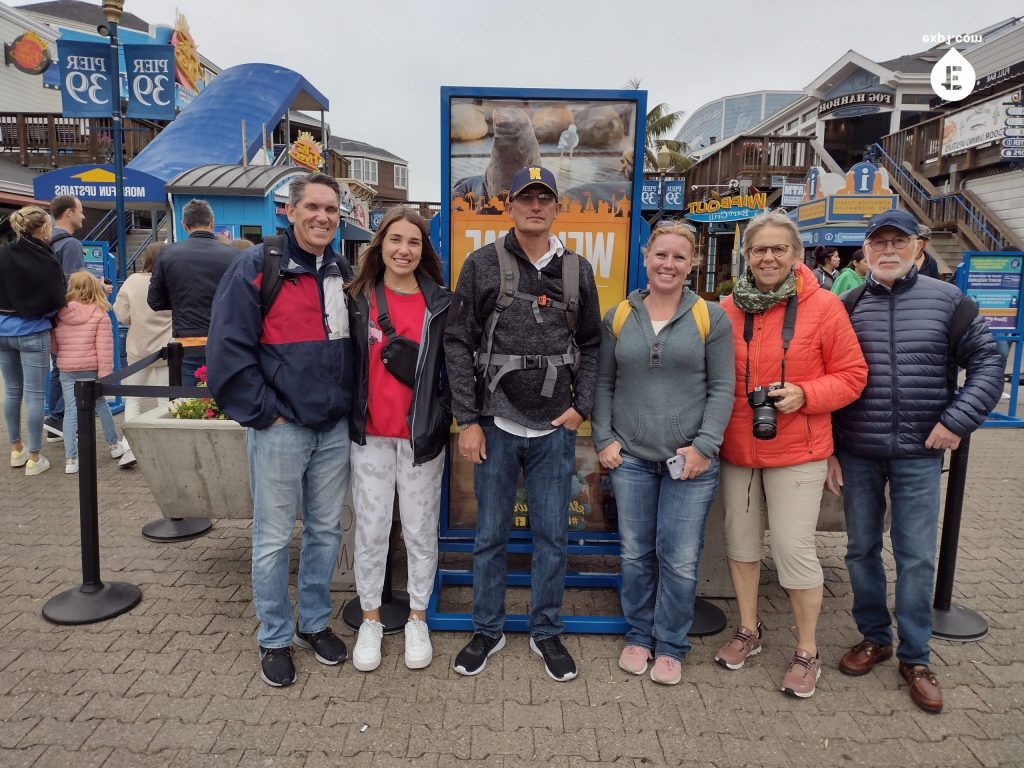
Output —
(757, 200)
(186, 57)
(812, 211)
(861, 205)
(306, 152)
(100, 175)
(603, 240)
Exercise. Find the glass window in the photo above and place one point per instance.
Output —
(401, 177)
(363, 170)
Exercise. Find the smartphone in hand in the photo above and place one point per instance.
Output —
(675, 466)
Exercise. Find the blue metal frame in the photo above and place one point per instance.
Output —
(1015, 336)
(580, 542)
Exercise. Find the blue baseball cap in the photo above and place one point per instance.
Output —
(529, 176)
(900, 220)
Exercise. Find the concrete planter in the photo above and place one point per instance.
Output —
(198, 468)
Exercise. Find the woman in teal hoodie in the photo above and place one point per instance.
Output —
(664, 395)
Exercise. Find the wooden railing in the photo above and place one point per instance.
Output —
(53, 141)
(756, 158)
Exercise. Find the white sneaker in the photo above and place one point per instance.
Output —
(19, 458)
(127, 458)
(36, 467)
(116, 450)
(366, 654)
(71, 467)
(418, 651)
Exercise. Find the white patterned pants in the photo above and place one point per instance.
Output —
(378, 468)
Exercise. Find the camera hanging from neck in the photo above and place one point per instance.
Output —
(788, 327)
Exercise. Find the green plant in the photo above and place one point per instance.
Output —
(197, 407)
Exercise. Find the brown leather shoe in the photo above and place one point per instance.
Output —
(924, 686)
(862, 658)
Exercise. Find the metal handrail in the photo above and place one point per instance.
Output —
(130, 266)
(928, 202)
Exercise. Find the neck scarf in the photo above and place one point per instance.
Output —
(756, 302)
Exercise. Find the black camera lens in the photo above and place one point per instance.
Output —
(765, 420)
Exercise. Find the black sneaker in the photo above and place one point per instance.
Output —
(326, 646)
(473, 658)
(557, 661)
(54, 429)
(276, 667)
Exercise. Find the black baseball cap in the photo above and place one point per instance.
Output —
(900, 220)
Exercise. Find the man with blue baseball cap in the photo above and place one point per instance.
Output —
(916, 333)
(521, 346)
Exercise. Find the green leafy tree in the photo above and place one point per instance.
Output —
(662, 122)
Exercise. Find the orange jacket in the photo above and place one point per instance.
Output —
(824, 360)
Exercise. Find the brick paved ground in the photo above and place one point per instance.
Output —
(174, 683)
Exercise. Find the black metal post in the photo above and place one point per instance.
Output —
(93, 601)
(394, 605)
(954, 622)
(166, 530)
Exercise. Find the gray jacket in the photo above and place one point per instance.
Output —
(68, 250)
(654, 404)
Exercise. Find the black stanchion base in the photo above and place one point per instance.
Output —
(958, 624)
(87, 605)
(708, 619)
(393, 614)
(167, 530)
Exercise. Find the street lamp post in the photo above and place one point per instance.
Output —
(664, 160)
(112, 10)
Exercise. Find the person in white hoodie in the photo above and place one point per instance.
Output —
(148, 331)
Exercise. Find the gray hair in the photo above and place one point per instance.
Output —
(197, 214)
(297, 186)
(772, 219)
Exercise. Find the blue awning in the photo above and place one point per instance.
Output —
(353, 233)
(209, 130)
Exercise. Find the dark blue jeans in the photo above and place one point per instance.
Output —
(661, 527)
(189, 364)
(547, 463)
(914, 491)
(55, 392)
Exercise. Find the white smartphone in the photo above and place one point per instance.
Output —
(675, 466)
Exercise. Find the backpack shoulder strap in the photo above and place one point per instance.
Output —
(59, 236)
(509, 276)
(621, 315)
(273, 251)
(702, 318)
(571, 289)
(851, 297)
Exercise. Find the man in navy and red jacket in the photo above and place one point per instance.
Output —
(287, 376)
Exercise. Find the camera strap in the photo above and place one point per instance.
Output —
(788, 329)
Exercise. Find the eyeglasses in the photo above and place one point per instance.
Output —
(532, 198)
(777, 250)
(899, 243)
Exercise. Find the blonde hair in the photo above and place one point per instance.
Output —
(84, 288)
(675, 228)
(29, 220)
(773, 219)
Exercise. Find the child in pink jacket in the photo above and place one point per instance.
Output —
(84, 344)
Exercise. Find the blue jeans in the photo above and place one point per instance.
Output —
(661, 530)
(54, 393)
(547, 463)
(289, 464)
(914, 491)
(24, 363)
(189, 364)
(67, 383)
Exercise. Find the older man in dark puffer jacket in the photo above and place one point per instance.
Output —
(898, 432)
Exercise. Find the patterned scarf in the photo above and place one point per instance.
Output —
(756, 302)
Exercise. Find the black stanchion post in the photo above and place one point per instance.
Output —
(165, 530)
(93, 601)
(394, 605)
(954, 622)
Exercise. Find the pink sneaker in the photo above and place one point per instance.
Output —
(666, 671)
(743, 644)
(633, 659)
(802, 675)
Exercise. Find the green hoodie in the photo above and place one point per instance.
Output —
(846, 280)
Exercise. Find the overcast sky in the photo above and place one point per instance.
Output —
(381, 63)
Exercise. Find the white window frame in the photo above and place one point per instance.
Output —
(401, 177)
(363, 169)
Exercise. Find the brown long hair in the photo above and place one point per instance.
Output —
(371, 267)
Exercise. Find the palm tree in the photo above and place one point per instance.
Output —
(661, 122)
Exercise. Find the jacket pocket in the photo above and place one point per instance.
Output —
(641, 430)
(677, 431)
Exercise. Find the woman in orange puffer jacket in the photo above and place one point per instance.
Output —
(84, 344)
(780, 470)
